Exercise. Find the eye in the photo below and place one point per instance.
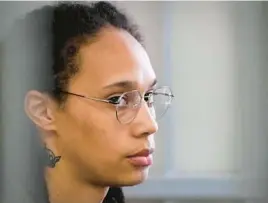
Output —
(148, 97)
(114, 99)
(122, 100)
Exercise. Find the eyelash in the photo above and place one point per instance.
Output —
(114, 99)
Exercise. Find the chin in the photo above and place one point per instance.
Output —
(134, 178)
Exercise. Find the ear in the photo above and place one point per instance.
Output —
(40, 109)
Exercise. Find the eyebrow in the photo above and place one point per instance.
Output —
(127, 84)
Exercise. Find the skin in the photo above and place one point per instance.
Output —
(92, 144)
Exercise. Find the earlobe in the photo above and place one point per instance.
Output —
(38, 110)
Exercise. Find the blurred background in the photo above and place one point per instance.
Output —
(212, 144)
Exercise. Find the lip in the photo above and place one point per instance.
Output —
(142, 159)
(143, 153)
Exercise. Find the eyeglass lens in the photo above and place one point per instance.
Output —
(158, 102)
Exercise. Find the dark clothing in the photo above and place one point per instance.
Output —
(114, 195)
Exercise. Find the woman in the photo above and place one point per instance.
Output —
(97, 124)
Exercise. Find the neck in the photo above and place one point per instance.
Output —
(63, 188)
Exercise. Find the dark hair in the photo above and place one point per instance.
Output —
(74, 24)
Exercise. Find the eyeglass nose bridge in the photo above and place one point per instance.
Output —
(139, 101)
(145, 110)
(137, 106)
(140, 104)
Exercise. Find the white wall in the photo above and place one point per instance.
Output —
(203, 66)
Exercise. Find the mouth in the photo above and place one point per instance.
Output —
(142, 158)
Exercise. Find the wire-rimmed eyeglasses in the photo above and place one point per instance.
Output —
(128, 104)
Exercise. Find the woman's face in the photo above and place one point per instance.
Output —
(92, 143)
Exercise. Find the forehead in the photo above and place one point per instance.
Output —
(113, 57)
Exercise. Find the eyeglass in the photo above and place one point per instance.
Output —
(128, 104)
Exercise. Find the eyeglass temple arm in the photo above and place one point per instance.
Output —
(166, 94)
(92, 98)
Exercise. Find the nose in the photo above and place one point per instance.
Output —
(144, 124)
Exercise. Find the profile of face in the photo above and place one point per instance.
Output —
(87, 134)
(104, 133)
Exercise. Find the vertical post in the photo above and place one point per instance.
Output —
(169, 121)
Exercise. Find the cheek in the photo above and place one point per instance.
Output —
(91, 134)
(104, 133)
